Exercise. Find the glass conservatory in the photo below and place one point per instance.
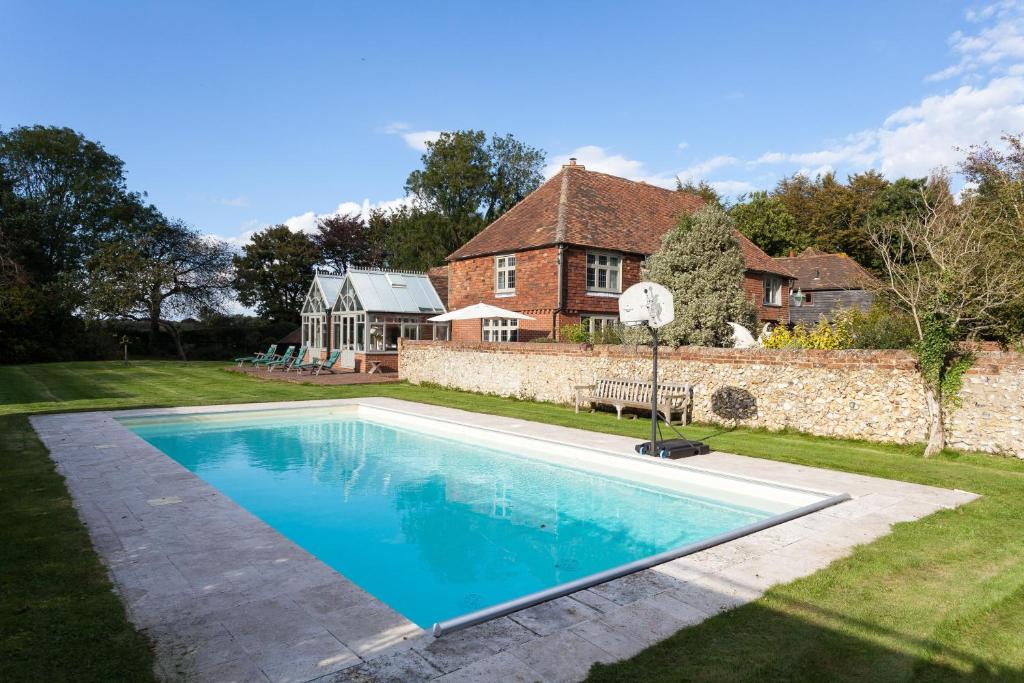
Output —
(371, 310)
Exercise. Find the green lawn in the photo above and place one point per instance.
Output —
(938, 599)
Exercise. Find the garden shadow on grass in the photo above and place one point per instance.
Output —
(796, 641)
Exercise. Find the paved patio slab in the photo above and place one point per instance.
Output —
(224, 597)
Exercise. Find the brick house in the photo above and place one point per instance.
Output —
(826, 283)
(564, 254)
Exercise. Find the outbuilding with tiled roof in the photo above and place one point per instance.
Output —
(826, 283)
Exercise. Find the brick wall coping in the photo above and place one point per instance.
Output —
(988, 362)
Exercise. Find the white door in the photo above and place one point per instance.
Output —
(348, 342)
(316, 337)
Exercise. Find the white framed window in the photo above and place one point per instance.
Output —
(505, 274)
(604, 272)
(600, 323)
(500, 330)
(772, 291)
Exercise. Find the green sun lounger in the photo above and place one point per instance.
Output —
(267, 360)
(256, 356)
(289, 363)
(282, 361)
(317, 366)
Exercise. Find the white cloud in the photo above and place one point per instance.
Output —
(857, 149)
(990, 48)
(923, 137)
(699, 170)
(416, 139)
(597, 158)
(683, 145)
(732, 188)
(822, 170)
(920, 138)
(306, 222)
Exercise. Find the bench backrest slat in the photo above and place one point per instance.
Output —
(635, 391)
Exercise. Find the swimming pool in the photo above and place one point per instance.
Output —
(440, 520)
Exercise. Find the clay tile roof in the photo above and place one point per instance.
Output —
(756, 259)
(592, 209)
(815, 270)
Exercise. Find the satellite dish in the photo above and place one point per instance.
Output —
(647, 303)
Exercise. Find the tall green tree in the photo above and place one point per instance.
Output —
(466, 182)
(702, 189)
(996, 177)
(955, 270)
(765, 220)
(515, 171)
(414, 238)
(273, 272)
(346, 240)
(700, 263)
(835, 216)
(164, 272)
(63, 195)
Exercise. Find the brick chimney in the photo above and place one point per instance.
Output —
(572, 164)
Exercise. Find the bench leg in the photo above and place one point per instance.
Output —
(618, 410)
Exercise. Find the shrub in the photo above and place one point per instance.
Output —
(576, 333)
(609, 334)
(821, 336)
(700, 263)
(880, 327)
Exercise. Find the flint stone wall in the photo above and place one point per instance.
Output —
(874, 395)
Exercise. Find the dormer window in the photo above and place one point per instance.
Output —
(505, 274)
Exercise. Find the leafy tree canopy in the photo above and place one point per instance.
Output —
(273, 272)
(765, 220)
(414, 238)
(702, 189)
(829, 214)
(466, 182)
(346, 240)
(163, 272)
(996, 178)
(61, 194)
(700, 263)
(463, 174)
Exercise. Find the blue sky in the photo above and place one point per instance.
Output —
(235, 116)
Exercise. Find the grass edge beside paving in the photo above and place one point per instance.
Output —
(107, 627)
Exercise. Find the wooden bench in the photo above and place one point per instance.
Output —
(628, 393)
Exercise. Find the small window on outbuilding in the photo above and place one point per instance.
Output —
(772, 290)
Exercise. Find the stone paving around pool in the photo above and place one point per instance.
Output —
(224, 597)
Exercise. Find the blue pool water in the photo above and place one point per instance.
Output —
(434, 527)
